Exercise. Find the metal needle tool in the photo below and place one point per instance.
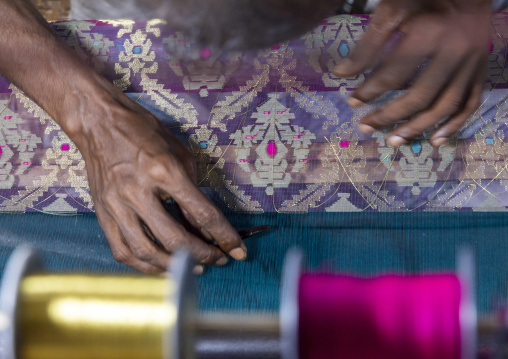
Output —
(249, 232)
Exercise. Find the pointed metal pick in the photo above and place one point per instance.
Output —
(249, 232)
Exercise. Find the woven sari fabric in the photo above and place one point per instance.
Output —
(270, 129)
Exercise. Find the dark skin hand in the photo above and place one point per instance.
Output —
(133, 162)
(453, 36)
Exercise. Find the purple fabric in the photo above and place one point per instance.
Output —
(270, 129)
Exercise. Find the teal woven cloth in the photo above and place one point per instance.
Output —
(361, 243)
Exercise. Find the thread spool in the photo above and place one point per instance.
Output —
(335, 316)
(53, 316)
(81, 317)
(384, 317)
(23, 291)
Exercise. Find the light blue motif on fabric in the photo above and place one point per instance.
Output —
(416, 146)
(344, 49)
(204, 102)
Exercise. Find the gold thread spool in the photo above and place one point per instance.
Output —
(83, 317)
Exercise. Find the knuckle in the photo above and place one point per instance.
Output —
(417, 101)
(208, 216)
(208, 257)
(172, 240)
(377, 121)
(161, 167)
(131, 193)
(159, 170)
(168, 168)
(389, 81)
(121, 256)
(143, 253)
(382, 122)
(452, 106)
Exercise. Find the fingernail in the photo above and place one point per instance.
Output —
(342, 68)
(396, 141)
(238, 253)
(221, 261)
(366, 128)
(198, 269)
(438, 141)
(354, 102)
(206, 234)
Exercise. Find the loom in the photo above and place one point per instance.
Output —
(63, 316)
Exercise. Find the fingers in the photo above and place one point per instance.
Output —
(136, 239)
(421, 95)
(120, 250)
(172, 235)
(209, 219)
(451, 104)
(395, 70)
(188, 221)
(454, 124)
(386, 19)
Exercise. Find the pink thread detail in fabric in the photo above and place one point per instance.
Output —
(271, 148)
(344, 144)
(205, 53)
(387, 317)
(65, 147)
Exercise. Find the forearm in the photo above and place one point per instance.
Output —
(33, 58)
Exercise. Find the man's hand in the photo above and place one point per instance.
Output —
(133, 162)
(453, 36)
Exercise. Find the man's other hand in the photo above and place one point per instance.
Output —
(452, 36)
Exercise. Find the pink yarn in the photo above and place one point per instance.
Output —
(205, 53)
(389, 317)
(271, 149)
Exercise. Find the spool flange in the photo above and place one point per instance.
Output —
(180, 345)
(178, 341)
(23, 261)
(289, 307)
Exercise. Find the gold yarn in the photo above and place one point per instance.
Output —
(94, 317)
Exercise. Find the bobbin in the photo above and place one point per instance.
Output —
(224, 335)
(289, 306)
(177, 343)
(22, 261)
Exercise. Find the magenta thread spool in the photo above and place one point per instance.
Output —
(387, 317)
(429, 316)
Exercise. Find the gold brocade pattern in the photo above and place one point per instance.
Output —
(271, 129)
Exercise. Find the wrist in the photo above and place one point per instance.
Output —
(34, 59)
(97, 114)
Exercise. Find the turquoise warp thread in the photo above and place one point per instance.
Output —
(364, 243)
